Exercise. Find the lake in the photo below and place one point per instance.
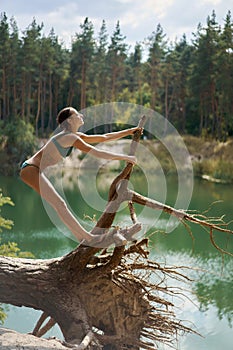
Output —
(209, 308)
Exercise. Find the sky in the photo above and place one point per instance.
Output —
(138, 18)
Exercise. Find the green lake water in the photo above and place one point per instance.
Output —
(209, 308)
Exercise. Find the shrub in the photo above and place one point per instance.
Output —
(17, 142)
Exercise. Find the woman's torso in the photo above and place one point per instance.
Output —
(57, 148)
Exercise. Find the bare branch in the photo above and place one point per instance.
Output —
(39, 323)
(43, 330)
(125, 173)
(132, 212)
(183, 216)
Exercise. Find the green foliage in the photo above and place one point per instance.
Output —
(211, 73)
(21, 140)
(18, 142)
(5, 223)
(2, 314)
(81, 56)
(11, 249)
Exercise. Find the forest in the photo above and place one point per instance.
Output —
(189, 83)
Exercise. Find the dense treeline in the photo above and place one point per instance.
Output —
(189, 83)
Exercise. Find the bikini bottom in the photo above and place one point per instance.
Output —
(25, 164)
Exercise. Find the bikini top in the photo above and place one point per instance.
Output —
(64, 151)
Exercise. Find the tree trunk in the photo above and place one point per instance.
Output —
(83, 84)
(4, 116)
(50, 119)
(39, 97)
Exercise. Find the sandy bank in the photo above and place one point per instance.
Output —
(11, 340)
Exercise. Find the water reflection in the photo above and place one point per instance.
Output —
(215, 289)
(208, 306)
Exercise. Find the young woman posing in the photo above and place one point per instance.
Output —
(58, 147)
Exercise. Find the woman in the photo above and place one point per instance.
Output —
(58, 147)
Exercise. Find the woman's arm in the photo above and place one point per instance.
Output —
(109, 136)
(86, 148)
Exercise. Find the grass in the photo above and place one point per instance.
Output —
(212, 158)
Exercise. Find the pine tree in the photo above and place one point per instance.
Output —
(31, 57)
(225, 79)
(135, 73)
(157, 48)
(205, 75)
(175, 75)
(81, 57)
(117, 54)
(99, 66)
(14, 78)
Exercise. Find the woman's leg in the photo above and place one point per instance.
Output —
(40, 183)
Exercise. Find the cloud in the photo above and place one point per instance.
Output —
(212, 2)
(28, 7)
(138, 19)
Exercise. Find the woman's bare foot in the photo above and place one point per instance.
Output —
(119, 237)
(105, 239)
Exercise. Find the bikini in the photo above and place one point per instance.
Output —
(64, 151)
(25, 164)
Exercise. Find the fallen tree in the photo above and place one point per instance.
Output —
(104, 298)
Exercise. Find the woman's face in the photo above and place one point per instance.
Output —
(76, 120)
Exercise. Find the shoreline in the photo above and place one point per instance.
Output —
(211, 160)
